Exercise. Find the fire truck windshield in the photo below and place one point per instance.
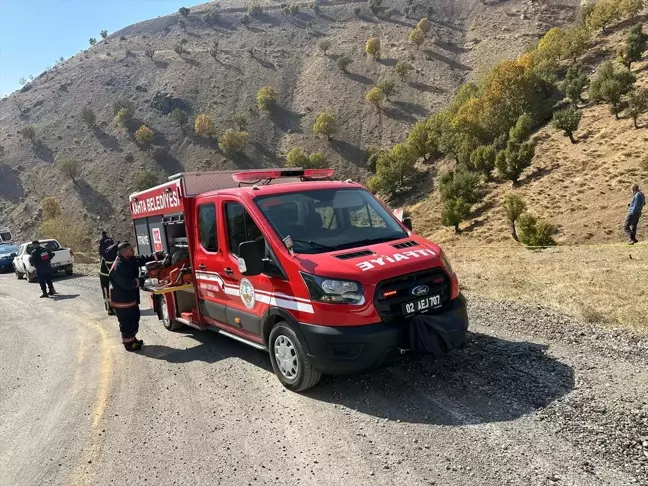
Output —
(323, 220)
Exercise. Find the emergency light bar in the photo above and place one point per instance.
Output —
(259, 175)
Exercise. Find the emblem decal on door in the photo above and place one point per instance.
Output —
(248, 296)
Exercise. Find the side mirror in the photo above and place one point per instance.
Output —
(407, 222)
(250, 261)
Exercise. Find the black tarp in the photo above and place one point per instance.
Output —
(436, 334)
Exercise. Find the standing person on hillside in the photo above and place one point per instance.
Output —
(634, 213)
(107, 259)
(125, 283)
(104, 243)
(41, 259)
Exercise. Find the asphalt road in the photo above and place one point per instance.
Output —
(533, 399)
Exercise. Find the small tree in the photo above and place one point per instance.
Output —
(29, 132)
(233, 142)
(634, 47)
(325, 124)
(92, 41)
(296, 158)
(213, 51)
(144, 135)
(422, 142)
(324, 45)
(103, 34)
(88, 116)
(395, 171)
(317, 160)
(513, 206)
(610, 86)
(179, 49)
(483, 159)
(387, 87)
(454, 212)
(424, 25)
(372, 47)
(402, 70)
(459, 184)
(69, 168)
(375, 96)
(522, 129)
(343, 63)
(22, 81)
(267, 98)
(180, 117)
(149, 53)
(145, 179)
(241, 121)
(123, 104)
(637, 104)
(575, 83)
(568, 121)
(535, 232)
(51, 207)
(184, 11)
(512, 161)
(124, 115)
(417, 37)
(204, 126)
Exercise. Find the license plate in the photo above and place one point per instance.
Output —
(423, 304)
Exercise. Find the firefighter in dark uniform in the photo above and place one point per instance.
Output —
(104, 243)
(125, 283)
(107, 259)
(41, 259)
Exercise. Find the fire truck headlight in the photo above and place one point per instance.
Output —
(333, 291)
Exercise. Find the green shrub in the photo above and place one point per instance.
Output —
(388, 88)
(535, 232)
(145, 179)
(144, 135)
(575, 83)
(69, 168)
(204, 126)
(514, 207)
(29, 132)
(459, 184)
(402, 70)
(88, 116)
(325, 124)
(149, 53)
(512, 161)
(267, 98)
(213, 51)
(69, 233)
(483, 158)
(395, 171)
(184, 11)
(634, 47)
(422, 142)
(372, 47)
(123, 104)
(180, 117)
(324, 45)
(424, 25)
(103, 34)
(92, 41)
(51, 207)
(179, 49)
(454, 212)
(637, 104)
(343, 63)
(296, 158)
(567, 120)
(233, 142)
(317, 160)
(417, 37)
(241, 121)
(375, 96)
(610, 86)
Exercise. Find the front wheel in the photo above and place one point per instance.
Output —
(290, 361)
(19, 275)
(69, 270)
(169, 323)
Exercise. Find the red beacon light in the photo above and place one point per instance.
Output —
(254, 176)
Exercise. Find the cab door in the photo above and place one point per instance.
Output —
(208, 262)
(250, 297)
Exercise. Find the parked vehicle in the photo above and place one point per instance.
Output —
(63, 260)
(319, 273)
(8, 252)
(5, 235)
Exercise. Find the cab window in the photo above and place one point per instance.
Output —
(365, 217)
(207, 226)
(240, 227)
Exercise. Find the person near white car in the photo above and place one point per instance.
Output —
(41, 259)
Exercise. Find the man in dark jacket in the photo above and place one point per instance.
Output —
(634, 213)
(125, 283)
(41, 259)
(104, 243)
(108, 257)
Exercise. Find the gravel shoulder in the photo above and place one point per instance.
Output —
(535, 398)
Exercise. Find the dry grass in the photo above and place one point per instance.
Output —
(603, 284)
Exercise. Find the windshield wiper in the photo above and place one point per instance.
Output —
(315, 244)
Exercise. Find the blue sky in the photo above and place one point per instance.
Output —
(35, 33)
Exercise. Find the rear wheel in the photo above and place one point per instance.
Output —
(169, 323)
(19, 275)
(290, 361)
(69, 270)
(31, 277)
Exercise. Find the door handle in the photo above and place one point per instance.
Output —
(202, 267)
(229, 271)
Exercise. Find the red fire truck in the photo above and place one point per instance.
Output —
(316, 272)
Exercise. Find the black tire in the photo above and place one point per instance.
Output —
(32, 277)
(304, 376)
(69, 270)
(168, 323)
(19, 275)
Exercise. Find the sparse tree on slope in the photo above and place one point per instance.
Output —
(567, 120)
(637, 104)
(373, 47)
(70, 168)
(634, 47)
(103, 34)
(424, 25)
(204, 126)
(324, 45)
(512, 161)
(325, 124)
(402, 70)
(513, 206)
(343, 63)
(387, 87)
(455, 211)
(483, 159)
(267, 98)
(375, 96)
(417, 37)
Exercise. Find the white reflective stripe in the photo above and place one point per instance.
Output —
(283, 296)
(286, 304)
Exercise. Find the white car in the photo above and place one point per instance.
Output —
(63, 259)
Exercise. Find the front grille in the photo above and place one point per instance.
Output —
(389, 308)
(405, 244)
(355, 254)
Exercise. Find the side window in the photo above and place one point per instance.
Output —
(207, 226)
(329, 218)
(240, 226)
(365, 217)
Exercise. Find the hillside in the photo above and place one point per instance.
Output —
(274, 49)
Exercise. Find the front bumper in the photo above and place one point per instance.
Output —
(349, 349)
(6, 266)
